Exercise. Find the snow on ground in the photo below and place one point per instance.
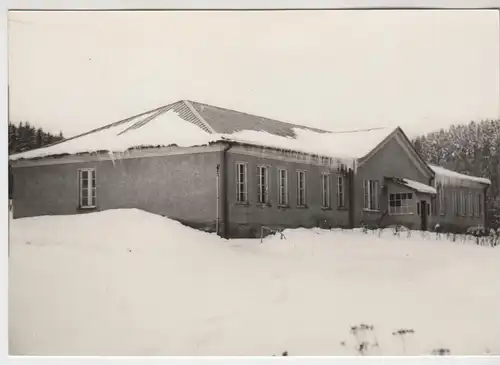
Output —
(126, 282)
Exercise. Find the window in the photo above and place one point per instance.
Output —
(480, 205)
(301, 188)
(455, 202)
(340, 192)
(476, 207)
(371, 190)
(470, 207)
(399, 203)
(465, 199)
(87, 191)
(462, 203)
(325, 191)
(241, 183)
(418, 208)
(282, 187)
(466, 204)
(263, 188)
(442, 201)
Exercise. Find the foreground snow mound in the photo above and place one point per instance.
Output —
(127, 282)
(113, 229)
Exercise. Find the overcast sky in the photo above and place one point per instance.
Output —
(422, 70)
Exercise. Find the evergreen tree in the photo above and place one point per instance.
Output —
(24, 137)
(39, 139)
(472, 149)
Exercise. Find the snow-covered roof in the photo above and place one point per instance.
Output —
(415, 185)
(345, 145)
(183, 125)
(451, 177)
(164, 130)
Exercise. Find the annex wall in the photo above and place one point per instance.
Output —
(181, 186)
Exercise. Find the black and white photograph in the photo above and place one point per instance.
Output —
(254, 182)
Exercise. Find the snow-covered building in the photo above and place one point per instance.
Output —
(461, 199)
(232, 172)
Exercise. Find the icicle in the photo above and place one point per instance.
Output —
(110, 153)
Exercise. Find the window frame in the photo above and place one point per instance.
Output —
(263, 186)
(91, 195)
(441, 200)
(475, 205)
(326, 194)
(480, 202)
(470, 205)
(463, 204)
(283, 190)
(408, 206)
(341, 192)
(454, 198)
(244, 191)
(368, 190)
(301, 190)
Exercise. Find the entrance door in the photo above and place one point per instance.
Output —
(423, 215)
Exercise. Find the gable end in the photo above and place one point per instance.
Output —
(400, 137)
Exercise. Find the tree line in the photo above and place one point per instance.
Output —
(471, 149)
(24, 137)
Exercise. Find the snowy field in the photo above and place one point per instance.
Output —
(126, 282)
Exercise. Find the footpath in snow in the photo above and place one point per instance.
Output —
(126, 282)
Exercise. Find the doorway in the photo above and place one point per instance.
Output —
(423, 215)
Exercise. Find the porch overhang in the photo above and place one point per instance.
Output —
(413, 185)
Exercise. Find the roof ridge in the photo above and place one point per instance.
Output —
(202, 120)
(259, 116)
(110, 125)
(149, 118)
(359, 130)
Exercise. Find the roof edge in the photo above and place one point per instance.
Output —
(477, 179)
(433, 173)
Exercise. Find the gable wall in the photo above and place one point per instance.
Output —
(392, 160)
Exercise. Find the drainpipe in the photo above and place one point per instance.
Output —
(485, 209)
(433, 202)
(218, 199)
(350, 179)
(223, 191)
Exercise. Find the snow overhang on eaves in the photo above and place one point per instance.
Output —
(452, 178)
(414, 185)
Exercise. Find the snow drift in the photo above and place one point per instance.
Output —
(127, 282)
